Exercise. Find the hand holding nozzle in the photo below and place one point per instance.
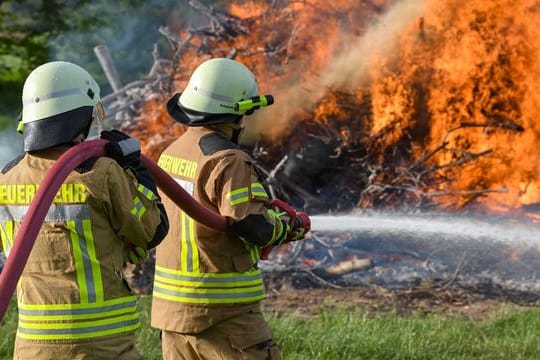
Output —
(299, 225)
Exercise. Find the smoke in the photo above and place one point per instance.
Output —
(347, 69)
(129, 31)
(351, 67)
(10, 146)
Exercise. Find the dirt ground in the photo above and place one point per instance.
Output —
(285, 297)
(303, 294)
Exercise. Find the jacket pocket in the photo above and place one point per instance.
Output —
(51, 254)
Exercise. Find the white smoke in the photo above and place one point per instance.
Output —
(348, 68)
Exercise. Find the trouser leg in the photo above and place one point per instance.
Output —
(243, 337)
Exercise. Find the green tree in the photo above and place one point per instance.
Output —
(36, 31)
(25, 28)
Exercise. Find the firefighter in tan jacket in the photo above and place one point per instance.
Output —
(72, 300)
(207, 286)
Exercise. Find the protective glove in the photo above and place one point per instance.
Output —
(122, 148)
(300, 226)
(136, 254)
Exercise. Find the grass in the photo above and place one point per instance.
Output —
(357, 334)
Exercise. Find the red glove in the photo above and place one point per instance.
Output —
(300, 226)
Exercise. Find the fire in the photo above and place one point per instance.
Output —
(449, 89)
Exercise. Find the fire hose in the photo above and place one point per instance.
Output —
(52, 181)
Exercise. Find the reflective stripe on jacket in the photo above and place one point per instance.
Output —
(72, 286)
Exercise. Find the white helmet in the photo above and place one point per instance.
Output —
(60, 100)
(219, 90)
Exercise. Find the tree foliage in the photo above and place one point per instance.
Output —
(24, 30)
(36, 31)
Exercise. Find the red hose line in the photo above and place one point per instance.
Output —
(183, 199)
(47, 190)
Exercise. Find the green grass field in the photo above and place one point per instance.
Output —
(356, 334)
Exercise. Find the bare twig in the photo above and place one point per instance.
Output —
(320, 279)
(459, 267)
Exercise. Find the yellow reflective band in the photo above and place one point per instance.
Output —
(3, 238)
(238, 196)
(79, 325)
(194, 249)
(87, 266)
(78, 330)
(206, 284)
(70, 312)
(23, 194)
(146, 192)
(183, 243)
(6, 233)
(204, 276)
(209, 296)
(253, 252)
(138, 208)
(79, 264)
(257, 189)
(96, 266)
(77, 316)
(77, 307)
(208, 288)
(212, 291)
(178, 166)
(189, 253)
(141, 212)
(189, 300)
(243, 195)
(63, 321)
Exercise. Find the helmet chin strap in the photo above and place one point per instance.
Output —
(85, 132)
(236, 135)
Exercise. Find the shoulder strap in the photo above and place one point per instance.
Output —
(212, 143)
(13, 162)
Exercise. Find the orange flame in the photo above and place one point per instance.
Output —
(454, 77)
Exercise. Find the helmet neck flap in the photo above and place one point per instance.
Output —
(52, 131)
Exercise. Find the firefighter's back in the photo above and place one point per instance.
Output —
(71, 296)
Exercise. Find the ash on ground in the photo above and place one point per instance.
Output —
(406, 263)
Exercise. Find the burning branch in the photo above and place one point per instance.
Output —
(222, 24)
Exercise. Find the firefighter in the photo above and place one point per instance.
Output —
(207, 285)
(73, 301)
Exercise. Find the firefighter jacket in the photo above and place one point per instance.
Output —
(71, 288)
(203, 276)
